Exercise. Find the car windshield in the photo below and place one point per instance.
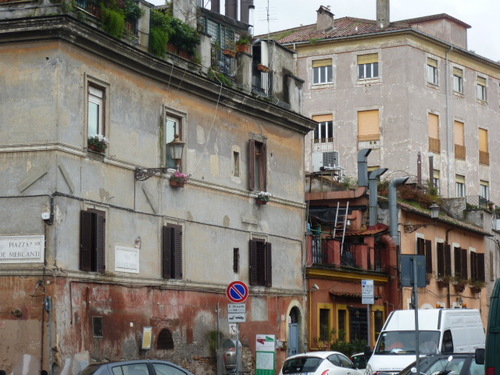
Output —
(301, 364)
(440, 365)
(403, 342)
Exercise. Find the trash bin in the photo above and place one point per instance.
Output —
(230, 359)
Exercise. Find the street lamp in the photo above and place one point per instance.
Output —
(410, 228)
(175, 148)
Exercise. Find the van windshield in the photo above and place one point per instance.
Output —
(403, 342)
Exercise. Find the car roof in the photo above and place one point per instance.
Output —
(134, 361)
(320, 354)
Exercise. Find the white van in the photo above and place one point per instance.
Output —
(440, 331)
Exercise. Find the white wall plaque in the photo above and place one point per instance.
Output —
(22, 249)
(126, 259)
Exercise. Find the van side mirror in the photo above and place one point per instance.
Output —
(367, 352)
(479, 356)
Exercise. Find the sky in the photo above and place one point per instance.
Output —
(482, 15)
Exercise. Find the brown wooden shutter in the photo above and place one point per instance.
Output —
(264, 168)
(428, 256)
(253, 262)
(85, 240)
(420, 246)
(440, 259)
(166, 253)
(447, 260)
(251, 165)
(100, 242)
(480, 267)
(464, 272)
(177, 233)
(458, 262)
(473, 265)
(269, 265)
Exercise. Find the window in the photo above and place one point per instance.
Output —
(324, 324)
(172, 252)
(342, 324)
(165, 340)
(436, 180)
(484, 154)
(477, 266)
(324, 131)
(484, 192)
(433, 128)
(173, 130)
(459, 135)
(432, 71)
(481, 88)
(97, 327)
(236, 260)
(443, 260)
(257, 165)
(459, 186)
(236, 164)
(260, 263)
(424, 247)
(92, 231)
(96, 96)
(458, 80)
(368, 66)
(368, 126)
(322, 71)
(163, 369)
(460, 263)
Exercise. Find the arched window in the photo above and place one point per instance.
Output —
(165, 340)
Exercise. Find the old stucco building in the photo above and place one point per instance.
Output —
(100, 257)
(428, 109)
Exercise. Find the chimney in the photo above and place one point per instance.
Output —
(232, 9)
(383, 14)
(325, 19)
(245, 11)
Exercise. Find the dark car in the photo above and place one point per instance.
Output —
(446, 364)
(138, 367)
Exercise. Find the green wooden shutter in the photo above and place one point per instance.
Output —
(253, 262)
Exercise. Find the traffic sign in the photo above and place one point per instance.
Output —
(237, 292)
(367, 295)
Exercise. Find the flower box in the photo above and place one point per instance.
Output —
(176, 183)
(178, 179)
(97, 143)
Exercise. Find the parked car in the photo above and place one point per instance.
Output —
(444, 364)
(138, 367)
(319, 363)
(359, 360)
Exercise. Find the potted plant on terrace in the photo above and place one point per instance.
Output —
(262, 197)
(97, 143)
(178, 179)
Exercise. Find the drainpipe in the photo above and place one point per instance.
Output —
(449, 129)
(363, 166)
(393, 207)
(372, 186)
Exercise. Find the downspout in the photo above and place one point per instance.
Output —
(373, 187)
(393, 207)
(449, 130)
(363, 166)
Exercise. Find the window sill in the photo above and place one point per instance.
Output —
(368, 81)
(318, 86)
(434, 86)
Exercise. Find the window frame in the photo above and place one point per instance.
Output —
(458, 80)
(460, 190)
(368, 66)
(368, 125)
(324, 127)
(257, 165)
(172, 252)
(92, 240)
(433, 129)
(481, 88)
(322, 72)
(260, 262)
(432, 71)
(459, 140)
(484, 189)
(179, 129)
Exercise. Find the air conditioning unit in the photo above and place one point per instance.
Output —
(325, 160)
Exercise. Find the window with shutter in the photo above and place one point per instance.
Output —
(368, 125)
(459, 134)
(440, 259)
(260, 263)
(92, 241)
(428, 256)
(172, 252)
(368, 66)
(484, 153)
(257, 165)
(433, 129)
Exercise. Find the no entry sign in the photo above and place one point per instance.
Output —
(237, 291)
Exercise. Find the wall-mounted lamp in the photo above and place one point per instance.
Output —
(410, 228)
(176, 147)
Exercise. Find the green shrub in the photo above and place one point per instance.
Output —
(113, 21)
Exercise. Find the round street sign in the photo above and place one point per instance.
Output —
(237, 291)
